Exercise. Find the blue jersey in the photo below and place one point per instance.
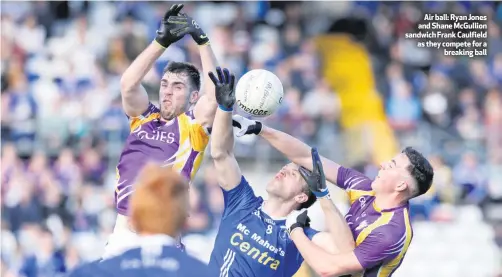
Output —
(151, 259)
(249, 242)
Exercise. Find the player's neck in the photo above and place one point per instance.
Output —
(387, 202)
(276, 208)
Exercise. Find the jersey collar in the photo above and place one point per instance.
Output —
(159, 239)
(278, 220)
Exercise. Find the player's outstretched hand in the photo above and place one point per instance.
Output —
(170, 31)
(297, 219)
(246, 126)
(194, 29)
(225, 88)
(315, 178)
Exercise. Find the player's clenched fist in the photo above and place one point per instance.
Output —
(246, 126)
(225, 89)
(297, 220)
(315, 179)
(171, 30)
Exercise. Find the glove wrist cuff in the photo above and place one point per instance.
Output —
(295, 226)
(203, 43)
(225, 109)
(259, 127)
(321, 194)
(160, 44)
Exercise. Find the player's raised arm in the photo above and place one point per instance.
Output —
(222, 144)
(339, 231)
(294, 149)
(134, 96)
(205, 108)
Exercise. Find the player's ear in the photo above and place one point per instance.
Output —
(194, 96)
(402, 186)
(301, 198)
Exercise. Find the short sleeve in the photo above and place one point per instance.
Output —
(379, 247)
(151, 113)
(354, 183)
(310, 233)
(240, 198)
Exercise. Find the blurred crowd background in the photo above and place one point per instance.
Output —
(353, 86)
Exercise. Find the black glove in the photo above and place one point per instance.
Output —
(194, 29)
(170, 31)
(297, 219)
(246, 126)
(315, 179)
(224, 86)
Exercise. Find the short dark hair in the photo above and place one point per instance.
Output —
(187, 68)
(420, 169)
(310, 201)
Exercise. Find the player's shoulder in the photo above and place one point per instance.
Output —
(189, 114)
(94, 269)
(242, 189)
(151, 111)
(350, 178)
(187, 264)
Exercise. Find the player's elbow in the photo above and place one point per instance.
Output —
(327, 270)
(219, 154)
(127, 85)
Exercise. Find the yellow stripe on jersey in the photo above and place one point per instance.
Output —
(135, 122)
(387, 268)
(196, 164)
(184, 150)
(198, 135)
(193, 137)
(354, 194)
(382, 220)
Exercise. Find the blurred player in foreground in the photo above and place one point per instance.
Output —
(173, 135)
(253, 237)
(378, 216)
(159, 208)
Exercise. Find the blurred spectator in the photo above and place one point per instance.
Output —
(443, 181)
(403, 108)
(46, 261)
(470, 177)
(199, 219)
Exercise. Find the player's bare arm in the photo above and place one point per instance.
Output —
(323, 263)
(294, 149)
(206, 105)
(134, 96)
(337, 226)
(222, 145)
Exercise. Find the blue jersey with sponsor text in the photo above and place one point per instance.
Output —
(249, 242)
(152, 259)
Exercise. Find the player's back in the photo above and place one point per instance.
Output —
(249, 242)
(146, 261)
(179, 143)
(382, 235)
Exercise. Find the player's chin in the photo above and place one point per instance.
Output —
(274, 186)
(167, 114)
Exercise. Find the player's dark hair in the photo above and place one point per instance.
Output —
(185, 68)
(310, 201)
(420, 169)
